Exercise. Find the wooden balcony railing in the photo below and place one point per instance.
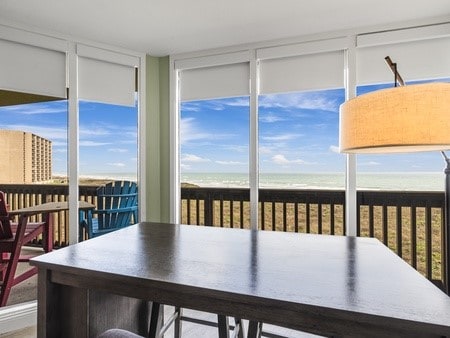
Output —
(410, 223)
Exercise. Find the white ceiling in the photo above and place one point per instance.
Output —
(161, 27)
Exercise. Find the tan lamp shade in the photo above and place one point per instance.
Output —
(402, 119)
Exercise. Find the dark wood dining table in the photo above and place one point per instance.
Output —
(330, 285)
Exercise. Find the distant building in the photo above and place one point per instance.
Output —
(25, 157)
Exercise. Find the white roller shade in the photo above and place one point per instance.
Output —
(417, 60)
(305, 72)
(104, 76)
(31, 69)
(215, 82)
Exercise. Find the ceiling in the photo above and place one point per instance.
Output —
(162, 27)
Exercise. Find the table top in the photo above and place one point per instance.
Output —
(49, 207)
(317, 283)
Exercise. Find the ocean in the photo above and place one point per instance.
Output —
(409, 181)
(400, 181)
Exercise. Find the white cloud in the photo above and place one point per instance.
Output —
(229, 162)
(117, 150)
(93, 144)
(26, 109)
(270, 118)
(190, 106)
(236, 148)
(189, 131)
(194, 158)
(117, 164)
(265, 150)
(282, 160)
(59, 144)
(185, 166)
(307, 100)
(237, 102)
(369, 163)
(132, 134)
(282, 137)
(334, 149)
(93, 131)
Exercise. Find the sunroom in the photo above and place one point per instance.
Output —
(226, 115)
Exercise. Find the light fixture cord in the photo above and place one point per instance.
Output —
(397, 78)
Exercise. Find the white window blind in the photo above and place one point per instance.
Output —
(105, 76)
(31, 69)
(416, 60)
(305, 72)
(215, 82)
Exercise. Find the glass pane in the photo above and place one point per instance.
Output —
(34, 171)
(298, 156)
(214, 154)
(107, 154)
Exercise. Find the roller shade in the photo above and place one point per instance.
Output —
(305, 72)
(32, 69)
(215, 82)
(107, 77)
(417, 60)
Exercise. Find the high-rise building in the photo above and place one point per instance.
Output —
(25, 157)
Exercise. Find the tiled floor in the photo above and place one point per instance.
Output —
(189, 330)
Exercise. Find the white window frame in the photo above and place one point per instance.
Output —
(254, 56)
(348, 41)
(20, 316)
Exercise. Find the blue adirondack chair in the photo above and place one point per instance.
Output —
(117, 207)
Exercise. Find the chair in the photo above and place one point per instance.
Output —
(116, 204)
(12, 237)
(118, 333)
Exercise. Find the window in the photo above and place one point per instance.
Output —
(214, 136)
(417, 61)
(298, 133)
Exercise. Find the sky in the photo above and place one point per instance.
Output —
(298, 133)
(108, 134)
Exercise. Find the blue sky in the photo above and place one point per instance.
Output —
(298, 132)
(108, 134)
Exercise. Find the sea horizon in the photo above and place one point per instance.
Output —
(399, 181)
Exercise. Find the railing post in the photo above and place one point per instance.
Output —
(209, 201)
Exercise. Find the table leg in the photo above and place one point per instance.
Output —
(156, 321)
(254, 329)
(178, 322)
(224, 331)
(239, 326)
